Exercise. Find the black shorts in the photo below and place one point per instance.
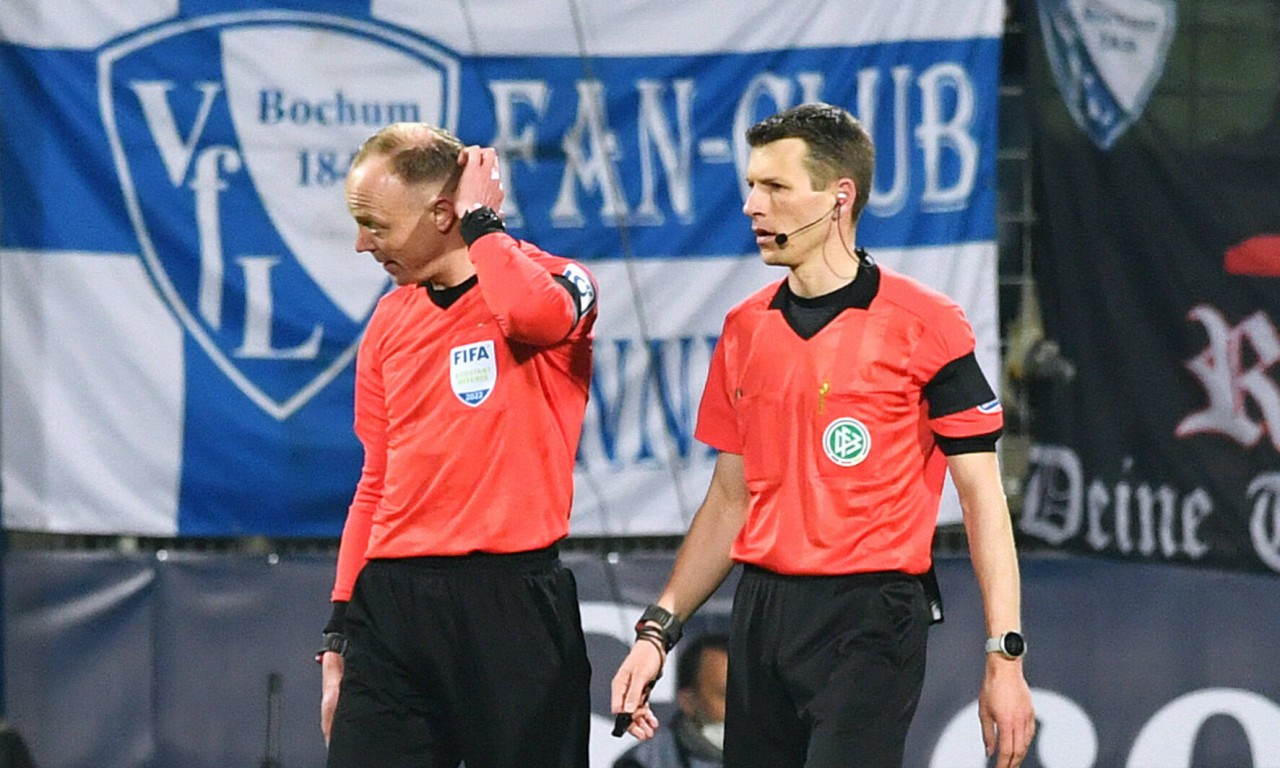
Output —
(479, 658)
(824, 671)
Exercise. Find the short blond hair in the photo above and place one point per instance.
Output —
(420, 153)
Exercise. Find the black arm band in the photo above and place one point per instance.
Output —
(954, 446)
(480, 222)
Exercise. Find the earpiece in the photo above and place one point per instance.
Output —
(841, 199)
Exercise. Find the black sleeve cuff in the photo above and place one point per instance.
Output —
(480, 222)
(954, 446)
(338, 619)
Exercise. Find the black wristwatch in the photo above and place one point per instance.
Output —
(331, 642)
(668, 622)
(1011, 645)
(479, 222)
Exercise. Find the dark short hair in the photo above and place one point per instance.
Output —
(420, 153)
(838, 144)
(690, 662)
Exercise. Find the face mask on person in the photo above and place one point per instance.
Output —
(714, 733)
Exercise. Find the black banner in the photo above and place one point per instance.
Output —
(1157, 432)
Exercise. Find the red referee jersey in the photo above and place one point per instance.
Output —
(839, 450)
(470, 413)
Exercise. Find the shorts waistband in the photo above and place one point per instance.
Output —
(866, 577)
(531, 560)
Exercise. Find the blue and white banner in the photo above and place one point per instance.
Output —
(180, 299)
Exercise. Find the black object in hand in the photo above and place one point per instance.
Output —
(621, 722)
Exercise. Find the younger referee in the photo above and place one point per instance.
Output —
(839, 398)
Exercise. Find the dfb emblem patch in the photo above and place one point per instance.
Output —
(473, 371)
(846, 442)
(1106, 56)
(231, 135)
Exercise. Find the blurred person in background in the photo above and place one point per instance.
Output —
(455, 631)
(695, 736)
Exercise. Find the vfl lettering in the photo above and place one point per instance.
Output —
(213, 165)
(258, 312)
(1228, 384)
(175, 151)
(215, 133)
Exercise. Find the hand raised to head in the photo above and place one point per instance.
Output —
(480, 183)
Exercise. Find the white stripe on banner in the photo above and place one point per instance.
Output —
(77, 24)
(90, 431)
(648, 28)
(506, 27)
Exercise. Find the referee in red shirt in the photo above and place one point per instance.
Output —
(838, 399)
(455, 632)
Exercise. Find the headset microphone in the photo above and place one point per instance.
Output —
(783, 237)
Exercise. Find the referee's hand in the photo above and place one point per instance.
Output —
(480, 183)
(631, 687)
(1006, 712)
(331, 678)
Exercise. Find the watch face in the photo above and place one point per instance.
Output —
(1014, 645)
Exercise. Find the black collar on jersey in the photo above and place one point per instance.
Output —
(445, 297)
(807, 316)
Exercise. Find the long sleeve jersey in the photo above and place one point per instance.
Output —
(469, 404)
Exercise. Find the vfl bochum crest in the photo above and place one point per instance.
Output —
(846, 441)
(232, 135)
(473, 371)
(1107, 56)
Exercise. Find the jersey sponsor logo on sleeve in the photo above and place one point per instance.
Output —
(992, 406)
(586, 291)
(846, 441)
(473, 372)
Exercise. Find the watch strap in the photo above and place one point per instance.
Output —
(1011, 645)
(479, 222)
(667, 623)
(331, 642)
